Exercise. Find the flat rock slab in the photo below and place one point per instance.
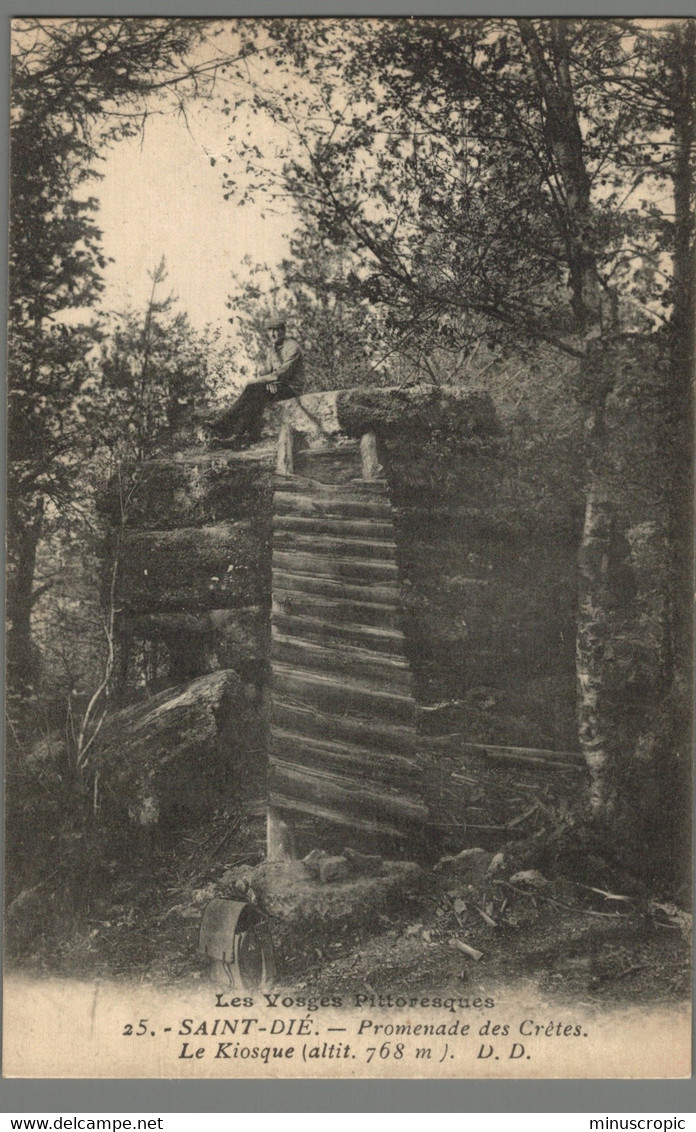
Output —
(344, 413)
(286, 891)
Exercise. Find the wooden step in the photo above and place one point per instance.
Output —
(323, 653)
(388, 672)
(332, 790)
(339, 475)
(330, 466)
(349, 449)
(303, 750)
(367, 734)
(355, 489)
(331, 506)
(321, 525)
(341, 694)
(384, 549)
(336, 611)
(378, 827)
(326, 631)
(292, 583)
(324, 566)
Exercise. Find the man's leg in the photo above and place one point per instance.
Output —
(245, 415)
(251, 424)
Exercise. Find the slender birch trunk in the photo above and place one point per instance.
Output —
(591, 643)
(565, 147)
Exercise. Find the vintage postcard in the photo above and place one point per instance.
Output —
(349, 548)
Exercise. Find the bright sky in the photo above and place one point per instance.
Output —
(163, 197)
(160, 195)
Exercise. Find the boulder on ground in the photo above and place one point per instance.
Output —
(313, 859)
(333, 869)
(367, 864)
(177, 750)
(470, 865)
(171, 757)
(285, 891)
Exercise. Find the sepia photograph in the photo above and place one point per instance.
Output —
(349, 548)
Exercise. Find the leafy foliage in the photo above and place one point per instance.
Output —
(77, 85)
(429, 150)
(155, 369)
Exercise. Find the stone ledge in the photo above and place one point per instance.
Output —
(345, 413)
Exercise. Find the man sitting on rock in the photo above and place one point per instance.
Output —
(280, 379)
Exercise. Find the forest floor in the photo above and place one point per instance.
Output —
(573, 935)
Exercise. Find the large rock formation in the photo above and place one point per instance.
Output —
(485, 548)
(168, 760)
(175, 755)
(193, 588)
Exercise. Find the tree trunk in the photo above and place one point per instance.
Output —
(590, 644)
(565, 147)
(684, 113)
(679, 414)
(23, 539)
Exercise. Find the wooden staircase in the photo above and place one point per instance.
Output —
(342, 717)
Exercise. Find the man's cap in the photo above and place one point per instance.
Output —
(275, 324)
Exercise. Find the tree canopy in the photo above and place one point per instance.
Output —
(78, 85)
(477, 166)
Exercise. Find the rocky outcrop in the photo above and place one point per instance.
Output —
(194, 487)
(193, 581)
(197, 568)
(173, 757)
(484, 561)
(174, 754)
(392, 412)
